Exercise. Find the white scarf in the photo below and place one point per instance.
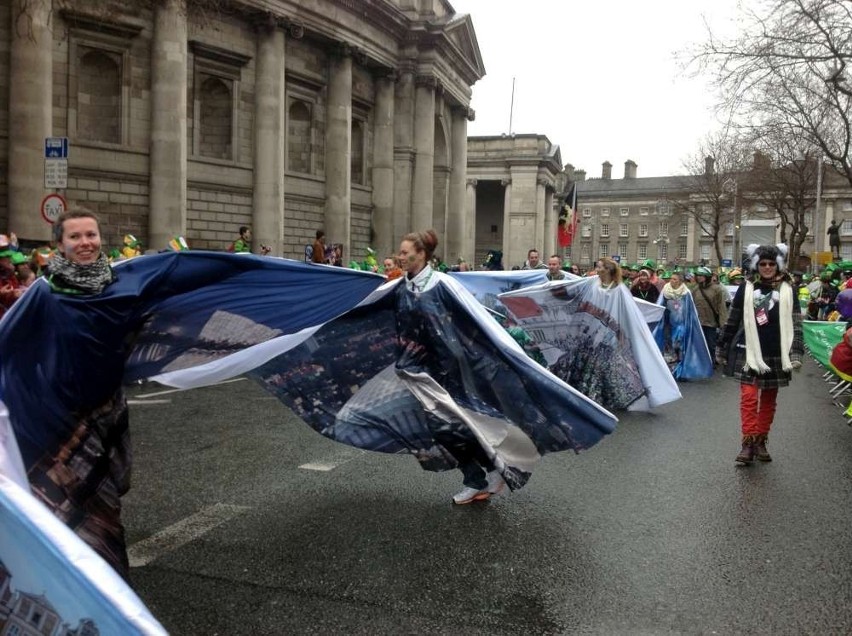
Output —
(754, 356)
(672, 293)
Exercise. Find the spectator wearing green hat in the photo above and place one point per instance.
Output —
(24, 270)
(711, 304)
(823, 302)
(10, 288)
(643, 288)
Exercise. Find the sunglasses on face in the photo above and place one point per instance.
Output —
(767, 264)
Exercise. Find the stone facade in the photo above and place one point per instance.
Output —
(511, 181)
(285, 116)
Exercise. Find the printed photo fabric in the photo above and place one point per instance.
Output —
(681, 340)
(597, 340)
(461, 375)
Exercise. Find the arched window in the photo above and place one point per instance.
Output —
(299, 148)
(99, 97)
(357, 152)
(215, 119)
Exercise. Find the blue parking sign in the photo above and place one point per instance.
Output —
(56, 147)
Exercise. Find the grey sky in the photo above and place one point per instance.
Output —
(598, 78)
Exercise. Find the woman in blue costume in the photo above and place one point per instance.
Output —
(679, 334)
(460, 393)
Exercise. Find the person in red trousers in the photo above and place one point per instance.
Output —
(760, 345)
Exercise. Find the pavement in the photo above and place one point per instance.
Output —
(242, 519)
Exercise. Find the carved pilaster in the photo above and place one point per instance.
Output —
(426, 81)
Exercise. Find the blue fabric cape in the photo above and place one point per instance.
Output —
(596, 340)
(679, 335)
(486, 382)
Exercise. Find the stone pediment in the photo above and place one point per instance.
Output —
(459, 31)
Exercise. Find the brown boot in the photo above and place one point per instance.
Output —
(760, 452)
(747, 452)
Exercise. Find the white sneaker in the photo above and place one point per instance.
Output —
(469, 495)
(496, 483)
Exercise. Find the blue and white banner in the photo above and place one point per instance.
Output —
(597, 340)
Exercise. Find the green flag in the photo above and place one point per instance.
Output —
(821, 338)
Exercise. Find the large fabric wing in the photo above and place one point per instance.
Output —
(486, 287)
(596, 340)
(350, 383)
(63, 355)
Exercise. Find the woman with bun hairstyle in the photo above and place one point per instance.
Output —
(761, 344)
(419, 352)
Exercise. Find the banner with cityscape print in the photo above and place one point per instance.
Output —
(596, 340)
(352, 382)
(53, 583)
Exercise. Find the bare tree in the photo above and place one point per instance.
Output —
(783, 179)
(787, 74)
(714, 176)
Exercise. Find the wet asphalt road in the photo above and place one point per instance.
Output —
(653, 531)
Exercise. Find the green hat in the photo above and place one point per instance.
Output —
(7, 253)
(18, 258)
(648, 262)
(703, 271)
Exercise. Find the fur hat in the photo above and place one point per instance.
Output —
(756, 253)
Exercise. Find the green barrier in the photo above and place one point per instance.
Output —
(821, 337)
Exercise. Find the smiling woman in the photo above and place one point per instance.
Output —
(80, 267)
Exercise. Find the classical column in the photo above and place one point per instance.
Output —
(507, 213)
(383, 164)
(468, 248)
(338, 150)
(550, 219)
(456, 210)
(30, 112)
(424, 152)
(167, 215)
(269, 141)
(403, 151)
(540, 219)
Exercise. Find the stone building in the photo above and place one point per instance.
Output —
(643, 218)
(287, 116)
(511, 180)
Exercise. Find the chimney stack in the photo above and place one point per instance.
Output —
(630, 169)
(709, 165)
(606, 170)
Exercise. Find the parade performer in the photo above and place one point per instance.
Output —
(597, 340)
(679, 334)
(437, 377)
(100, 450)
(761, 345)
(98, 328)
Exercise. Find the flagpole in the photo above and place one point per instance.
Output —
(512, 106)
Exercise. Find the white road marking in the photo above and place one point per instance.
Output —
(137, 402)
(167, 391)
(184, 531)
(325, 465)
